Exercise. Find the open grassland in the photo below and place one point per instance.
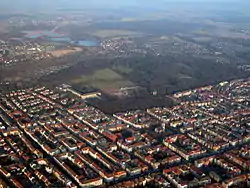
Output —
(63, 52)
(122, 69)
(203, 39)
(104, 79)
(106, 33)
(128, 19)
(3, 27)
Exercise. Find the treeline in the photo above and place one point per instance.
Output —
(168, 74)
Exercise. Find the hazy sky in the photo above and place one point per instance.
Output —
(53, 4)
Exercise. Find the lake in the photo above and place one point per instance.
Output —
(61, 39)
(88, 43)
(58, 37)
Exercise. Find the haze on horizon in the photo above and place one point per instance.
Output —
(31, 5)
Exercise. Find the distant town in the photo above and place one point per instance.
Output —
(103, 52)
(55, 138)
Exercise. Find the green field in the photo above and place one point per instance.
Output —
(104, 79)
(122, 69)
(107, 33)
(203, 39)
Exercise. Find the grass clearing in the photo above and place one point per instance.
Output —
(104, 79)
(63, 52)
(3, 27)
(122, 69)
(203, 32)
(202, 39)
(106, 33)
(128, 19)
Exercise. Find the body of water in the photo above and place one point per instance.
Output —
(58, 37)
(88, 43)
(61, 39)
